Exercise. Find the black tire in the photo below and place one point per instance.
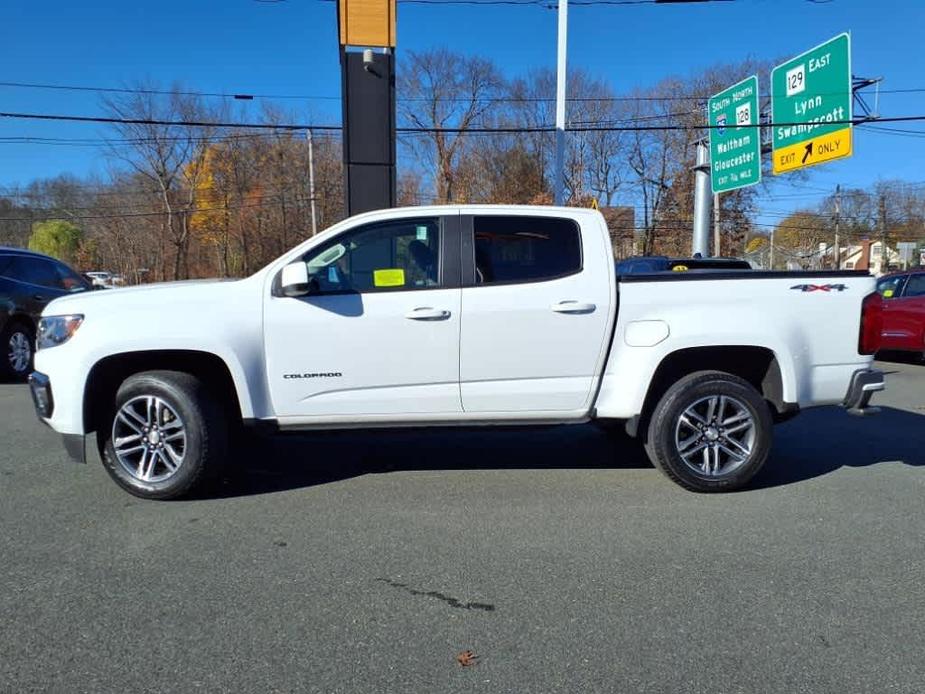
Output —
(664, 436)
(183, 398)
(16, 330)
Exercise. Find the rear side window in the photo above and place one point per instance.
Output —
(35, 271)
(916, 286)
(525, 249)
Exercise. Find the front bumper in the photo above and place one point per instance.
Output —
(864, 383)
(42, 398)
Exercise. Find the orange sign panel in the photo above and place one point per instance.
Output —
(366, 22)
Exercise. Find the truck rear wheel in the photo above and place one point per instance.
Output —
(710, 432)
(165, 437)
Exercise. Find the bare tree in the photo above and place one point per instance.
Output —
(443, 90)
(168, 153)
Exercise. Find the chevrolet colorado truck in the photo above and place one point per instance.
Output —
(462, 315)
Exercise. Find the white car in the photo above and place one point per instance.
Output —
(100, 278)
(459, 315)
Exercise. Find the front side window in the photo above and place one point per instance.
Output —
(70, 280)
(525, 249)
(916, 286)
(891, 287)
(400, 254)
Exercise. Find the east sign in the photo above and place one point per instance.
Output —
(811, 100)
(735, 142)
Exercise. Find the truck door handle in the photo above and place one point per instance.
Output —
(427, 313)
(38, 297)
(573, 307)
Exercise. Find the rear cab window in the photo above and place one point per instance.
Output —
(518, 249)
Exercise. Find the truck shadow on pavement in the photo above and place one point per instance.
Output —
(301, 460)
(814, 444)
(823, 440)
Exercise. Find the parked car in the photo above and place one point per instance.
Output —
(903, 311)
(662, 263)
(103, 278)
(99, 278)
(459, 315)
(28, 281)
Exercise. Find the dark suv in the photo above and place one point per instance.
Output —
(28, 281)
(662, 263)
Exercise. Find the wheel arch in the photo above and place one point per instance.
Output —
(108, 373)
(21, 317)
(756, 364)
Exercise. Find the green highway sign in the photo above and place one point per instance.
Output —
(809, 95)
(735, 151)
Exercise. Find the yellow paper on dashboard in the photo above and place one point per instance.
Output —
(390, 277)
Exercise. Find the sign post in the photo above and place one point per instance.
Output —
(735, 150)
(811, 99)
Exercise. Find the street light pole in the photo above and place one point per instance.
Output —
(837, 255)
(702, 201)
(311, 180)
(559, 182)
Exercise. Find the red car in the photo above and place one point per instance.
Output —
(904, 311)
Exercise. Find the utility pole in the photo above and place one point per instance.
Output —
(837, 254)
(559, 183)
(717, 247)
(702, 200)
(771, 252)
(311, 180)
(884, 258)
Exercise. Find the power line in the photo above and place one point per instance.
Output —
(54, 214)
(475, 130)
(157, 121)
(249, 96)
(165, 92)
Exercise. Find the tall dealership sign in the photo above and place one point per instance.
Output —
(366, 30)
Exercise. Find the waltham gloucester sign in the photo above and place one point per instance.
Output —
(811, 107)
(735, 148)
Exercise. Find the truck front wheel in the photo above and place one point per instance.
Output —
(710, 432)
(165, 436)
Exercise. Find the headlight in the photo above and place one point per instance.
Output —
(56, 330)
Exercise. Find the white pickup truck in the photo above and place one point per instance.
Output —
(464, 315)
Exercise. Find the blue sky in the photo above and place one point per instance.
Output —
(290, 47)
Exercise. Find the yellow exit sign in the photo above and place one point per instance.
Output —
(823, 148)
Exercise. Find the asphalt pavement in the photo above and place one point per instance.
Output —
(561, 559)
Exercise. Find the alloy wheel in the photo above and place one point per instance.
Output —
(149, 438)
(19, 352)
(715, 435)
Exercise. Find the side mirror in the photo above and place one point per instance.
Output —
(295, 281)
